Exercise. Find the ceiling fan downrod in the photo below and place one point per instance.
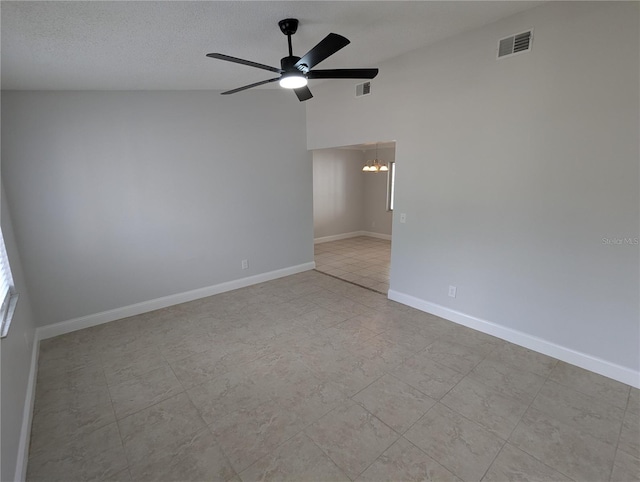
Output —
(289, 26)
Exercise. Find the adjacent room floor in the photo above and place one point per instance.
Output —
(311, 378)
(362, 260)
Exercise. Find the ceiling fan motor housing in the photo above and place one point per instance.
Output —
(288, 64)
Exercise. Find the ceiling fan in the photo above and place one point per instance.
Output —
(295, 71)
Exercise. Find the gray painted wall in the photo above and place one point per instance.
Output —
(15, 358)
(512, 172)
(345, 199)
(123, 197)
(338, 192)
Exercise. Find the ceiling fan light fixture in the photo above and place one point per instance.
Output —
(293, 81)
(294, 71)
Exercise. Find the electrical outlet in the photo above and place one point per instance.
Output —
(373, 224)
(245, 264)
(452, 291)
(403, 217)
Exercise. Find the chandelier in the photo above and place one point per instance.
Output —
(376, 165)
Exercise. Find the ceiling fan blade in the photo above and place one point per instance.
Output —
(325, 48)
(250, 86)
(342, 74)
(236, 60)
(303, 93)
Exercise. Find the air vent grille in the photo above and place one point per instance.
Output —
(515, 44)
(363, 89)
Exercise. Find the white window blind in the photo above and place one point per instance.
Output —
(8, 296)
(391, 186)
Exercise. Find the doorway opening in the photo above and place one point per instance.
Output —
(353, 212)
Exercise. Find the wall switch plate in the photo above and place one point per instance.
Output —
(452, 291)
(403, 217)
(245, 264)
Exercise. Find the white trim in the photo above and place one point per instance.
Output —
(68, 326)
(27, 413)
(353, 234)
(583, 360)
(376, 235)
(337, 237)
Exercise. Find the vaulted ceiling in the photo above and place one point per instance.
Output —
(161, 45)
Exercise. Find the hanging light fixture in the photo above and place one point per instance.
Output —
(376, 165)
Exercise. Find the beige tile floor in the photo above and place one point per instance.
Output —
(311, 378)
(362, 260)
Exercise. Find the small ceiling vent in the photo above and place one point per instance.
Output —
(515, 44)
(363, 89)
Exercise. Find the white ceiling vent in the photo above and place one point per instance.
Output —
(363, 89)
(515, 44)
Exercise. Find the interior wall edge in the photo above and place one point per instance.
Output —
(568, 355)
(27, 416)
(68, 326)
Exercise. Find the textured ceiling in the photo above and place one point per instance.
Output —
(151, 45)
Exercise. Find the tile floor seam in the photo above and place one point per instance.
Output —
(565, 385)
(436, 461)
(286, 442)
(439, 399)
(386, 448)
(324, 451)
(541, 461)
(118, 428)
(558, 420)
(494, 459)
(431, 456)
(374, 381)
(302, 430)
(226, 457)
(420, 418)
(153, 405)
(350, 282)
(533, 399)
(332, 461)
(381, 453)
(418, 390)
(477, 424)
(615, 452)
(532, 456)
(482, 427)
(184, 390)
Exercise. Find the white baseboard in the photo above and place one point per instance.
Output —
(336, 237)
(353, 234)
(583, 360)
(376, 235)
(68, 326)
(27, 414)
